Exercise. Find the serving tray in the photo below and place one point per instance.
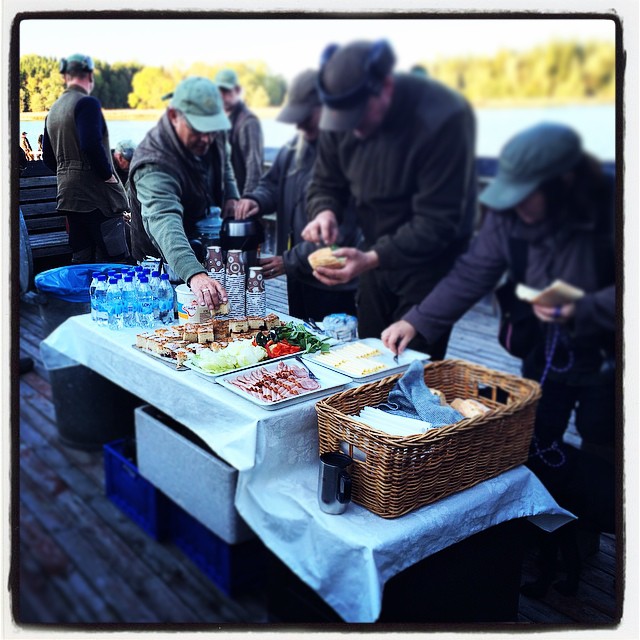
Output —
(385, 356)
(330, 382)
(166, 360)
(213, 376)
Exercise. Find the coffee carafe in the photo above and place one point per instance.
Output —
(243, 235)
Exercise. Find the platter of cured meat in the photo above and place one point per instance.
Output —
(283, 383)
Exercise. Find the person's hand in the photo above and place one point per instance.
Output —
(112, 179)
(272, 267)
(357, 262)
(246, 208)
(228, 208)
(323, 228)
(127, 216)
(209, 292)
(398, 335)
(559, 314)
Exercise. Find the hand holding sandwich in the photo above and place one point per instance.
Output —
(350, 263)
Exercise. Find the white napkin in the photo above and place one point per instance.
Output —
(393, 425)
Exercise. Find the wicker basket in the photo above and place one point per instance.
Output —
(402, 473)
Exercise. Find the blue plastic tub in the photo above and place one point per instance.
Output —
(134, 495)
(234, 568)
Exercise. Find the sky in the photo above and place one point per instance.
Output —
(290, 45)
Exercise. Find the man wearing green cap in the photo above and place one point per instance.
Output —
(76, 146)
(122, 155)
(179, 170)
(403, 147)
(247, 144)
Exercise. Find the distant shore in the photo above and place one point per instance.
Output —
(268, 113)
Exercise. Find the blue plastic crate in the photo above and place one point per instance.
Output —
(234, 568)
(137, 497)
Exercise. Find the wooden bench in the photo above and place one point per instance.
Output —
(46, 228)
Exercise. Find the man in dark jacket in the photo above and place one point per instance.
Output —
(404, 148)
(179, 170)
(283, 189)
(247, 144)
(76, 147)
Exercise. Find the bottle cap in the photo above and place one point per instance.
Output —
(164, 276)
(144, 279)
(155, 274)
(113, 280)
(95, 274)
(128, 279)
(102, 278)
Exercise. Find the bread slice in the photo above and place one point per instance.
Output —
(324, 258)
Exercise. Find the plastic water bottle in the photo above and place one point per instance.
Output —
(145, 304)
(92, 290)
(114, 305)
(129, 303)
(100, 301)
(120, 280)
(154, 283)
(166, 300)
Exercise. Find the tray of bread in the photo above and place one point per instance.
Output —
(177, 345)
(365, 360)
(277, 384)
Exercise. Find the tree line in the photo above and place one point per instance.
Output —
(558, 70)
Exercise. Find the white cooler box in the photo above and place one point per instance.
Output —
(200, 482)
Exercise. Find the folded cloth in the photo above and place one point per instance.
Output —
(411, 398)
(392, 424)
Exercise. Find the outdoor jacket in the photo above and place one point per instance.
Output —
(76, 147)
(413, 180)
(580, 252)
(247, 147)
(283, 189)
(171, 190)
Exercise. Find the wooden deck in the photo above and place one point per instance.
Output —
(78, 560)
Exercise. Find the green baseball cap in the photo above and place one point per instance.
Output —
(227, 79)
(126, 148)
(201, 103)
(530, 158)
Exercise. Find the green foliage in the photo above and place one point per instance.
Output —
(558, 70)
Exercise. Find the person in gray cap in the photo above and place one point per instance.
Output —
(404, 148)
(121, 156)
(551, 217)
(179, 170)
(76, 146)
(247, 142)
(283, 189)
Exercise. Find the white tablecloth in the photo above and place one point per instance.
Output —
(276, 454)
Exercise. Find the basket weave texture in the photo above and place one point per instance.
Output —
(402, 473)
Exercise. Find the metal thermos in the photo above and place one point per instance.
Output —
(334, 482)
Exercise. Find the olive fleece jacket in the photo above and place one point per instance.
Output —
(171, 190)
(413, 180)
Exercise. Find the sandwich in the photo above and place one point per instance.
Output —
(324, 258)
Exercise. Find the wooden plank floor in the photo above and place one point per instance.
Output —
(81, 561)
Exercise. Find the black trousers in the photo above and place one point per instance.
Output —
(306, 301)
(385, 296)
(95, 237)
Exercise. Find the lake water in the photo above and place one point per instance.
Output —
(595, 123)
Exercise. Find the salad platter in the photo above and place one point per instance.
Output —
(277, 384)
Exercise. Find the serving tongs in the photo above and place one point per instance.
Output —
(312, 375)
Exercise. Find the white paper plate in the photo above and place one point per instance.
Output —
(385, 356)
(330, 382)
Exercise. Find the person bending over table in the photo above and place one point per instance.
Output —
(180, 169)
(551, 216)
(403, 148)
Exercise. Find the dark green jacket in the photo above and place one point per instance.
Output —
(81, 187)
(178, 190)
(413, 180)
